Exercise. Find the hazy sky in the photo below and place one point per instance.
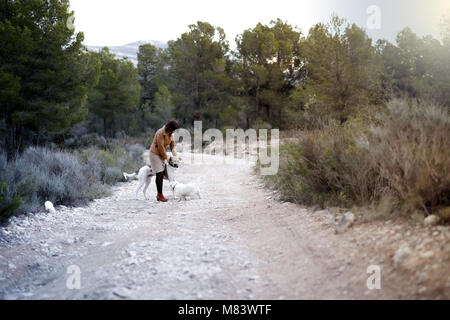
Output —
(117, 22)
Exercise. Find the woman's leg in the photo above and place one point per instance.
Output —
(159, 182)
(159, 186)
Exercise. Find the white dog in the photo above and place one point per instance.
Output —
(132, 176)
(145, 174)
(183, 191)
(145, 177)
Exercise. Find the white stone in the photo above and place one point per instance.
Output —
(422, 277)
(431, 220)
(321, 213)
(401, 254)
(428, 254)
(350, 217)
(49, 207)
(347, 220)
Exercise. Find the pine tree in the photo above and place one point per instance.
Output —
(45, 72)
(117, 91)
(197, 64)
(342, 70)
(268, 68)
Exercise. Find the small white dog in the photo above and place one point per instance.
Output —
(183, 191)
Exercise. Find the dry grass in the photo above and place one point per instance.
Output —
(324, 167)
(411, 150)
(405, 158)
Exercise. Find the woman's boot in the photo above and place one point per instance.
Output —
(161, 198)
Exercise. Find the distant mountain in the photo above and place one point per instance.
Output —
(130, 50)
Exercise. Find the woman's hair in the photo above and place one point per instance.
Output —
(171, 126)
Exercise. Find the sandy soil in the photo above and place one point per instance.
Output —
(237, 242)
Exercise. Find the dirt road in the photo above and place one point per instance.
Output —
(237, 242)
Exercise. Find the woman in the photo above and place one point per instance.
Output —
(158, 155)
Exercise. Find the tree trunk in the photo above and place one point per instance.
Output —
(257, 102)
(104, 127)
(112, 128)
(9, 143)
(12, 139)
(279, 116)
(143, 118)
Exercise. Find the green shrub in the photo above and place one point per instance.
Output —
(116, 158)
(86, 141)
(41, 174)
(112, 175)
(69, 178)
(8, 206)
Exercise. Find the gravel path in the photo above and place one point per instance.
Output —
(237, 242)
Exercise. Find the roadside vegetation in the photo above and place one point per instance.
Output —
(70, 178)
(400, 163)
